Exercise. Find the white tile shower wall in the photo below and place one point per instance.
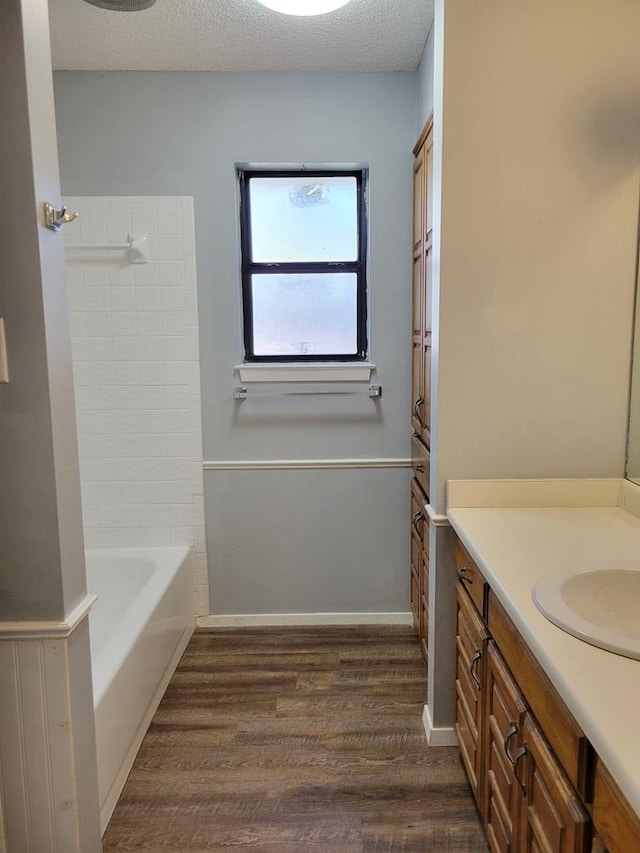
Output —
(134, 332)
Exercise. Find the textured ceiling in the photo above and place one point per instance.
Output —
(239, 35)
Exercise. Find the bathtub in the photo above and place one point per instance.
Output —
(139, 627)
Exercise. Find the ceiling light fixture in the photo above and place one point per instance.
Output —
(304, 7)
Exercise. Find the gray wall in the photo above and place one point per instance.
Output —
(535, 242)
(425, 81)
(41, 550)
(181, 133)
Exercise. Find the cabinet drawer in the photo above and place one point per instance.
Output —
(471, 578)
(563, 733)
(421, 463)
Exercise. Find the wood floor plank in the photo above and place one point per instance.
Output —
(295, 740)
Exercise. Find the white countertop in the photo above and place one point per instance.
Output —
(514, 546)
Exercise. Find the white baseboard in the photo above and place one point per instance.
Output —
(125, 768)
(291, 619)
(437, 735)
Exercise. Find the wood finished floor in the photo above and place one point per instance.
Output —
(295, 740)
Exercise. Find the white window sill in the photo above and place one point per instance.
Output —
(348, 371)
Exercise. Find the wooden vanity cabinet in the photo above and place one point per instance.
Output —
(526, 800)
(567, 740)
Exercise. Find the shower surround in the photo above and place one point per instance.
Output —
(134, 331)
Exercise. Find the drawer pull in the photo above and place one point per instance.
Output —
(520, 754)
(416, 408)
(418, 518)
(420, 469)
(472, 667)
(462, 574)
(512, 730)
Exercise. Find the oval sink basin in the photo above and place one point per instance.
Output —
(601, 607)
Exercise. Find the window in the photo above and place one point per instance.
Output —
(303, 247)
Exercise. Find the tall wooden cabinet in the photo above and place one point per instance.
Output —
(421, 383)
(422, 262)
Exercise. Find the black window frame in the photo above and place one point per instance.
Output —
(249, 267)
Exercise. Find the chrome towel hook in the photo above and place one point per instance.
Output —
(55, 219)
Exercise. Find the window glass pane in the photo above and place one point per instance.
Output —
(304, 219)
(305, 314)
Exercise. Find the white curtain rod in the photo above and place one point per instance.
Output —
(242, 392)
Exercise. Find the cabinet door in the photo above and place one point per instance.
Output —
(415, 584)
(421, 388)
(505, 710)
(416, 557)
(424, 593)
(418, 302)
(417, 387)
(419, 216)
(428, 192)
(418, 399)
(471, 646)
(553, 820)
(422, 262)
(426, 306)
(419, 556)
(426, 390)
(424, 596)
(615, 820)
